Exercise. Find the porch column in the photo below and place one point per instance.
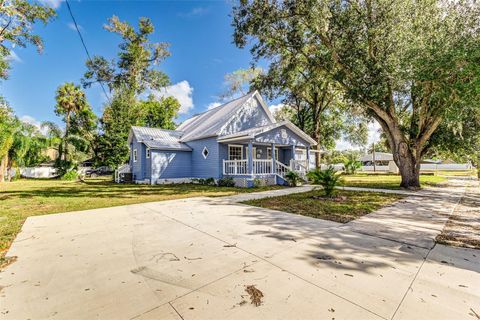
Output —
(273, 158)
(293, 157)
(250, 158)
(308, 157)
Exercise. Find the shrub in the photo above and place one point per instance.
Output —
(70, 175)
(205, 182)
(328, 179)
(351, 166)
(257, 183)
(226, 182)
(293, 178)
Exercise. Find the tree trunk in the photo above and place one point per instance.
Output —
(3, 165)
(408, 165)
(318, 156)
(67, 125)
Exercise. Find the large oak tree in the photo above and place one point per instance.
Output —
(412, 65)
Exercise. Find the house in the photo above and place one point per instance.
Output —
(239, 139)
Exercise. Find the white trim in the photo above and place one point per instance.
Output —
(254, 152)
(236, 146)
(147, 153)
(203, 152)
(264, 106)
(276, 153)
(135, 155)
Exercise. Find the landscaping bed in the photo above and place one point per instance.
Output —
(29, 197)
(345, 206)
(463, 227)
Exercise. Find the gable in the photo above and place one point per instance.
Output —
(250, 115)
(239, 114)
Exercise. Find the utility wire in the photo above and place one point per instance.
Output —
(84, 45)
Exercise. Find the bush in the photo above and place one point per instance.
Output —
(70, 176)
(328, 179)
(257, 183)
(205, 182)
(351, 166)
(226, 182)
(293, 178)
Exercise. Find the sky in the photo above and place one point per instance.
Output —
(200, 38)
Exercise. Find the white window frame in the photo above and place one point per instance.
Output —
(135, 158)
(269, 153)
(147, 153)
(254, 150)
(203, 152)
(235, 146)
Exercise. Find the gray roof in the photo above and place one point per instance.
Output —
(379, 156)
(211, 122)
(160, 138)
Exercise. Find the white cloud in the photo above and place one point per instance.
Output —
(14, 57)
(51, 3)
(195, 12)
(374, 131)
(71, 26)
(276, 107)
(213, 105)
(182, 91)
(31, 120)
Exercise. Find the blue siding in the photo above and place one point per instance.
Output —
(171, 164)
(212, 165)
(139, 167)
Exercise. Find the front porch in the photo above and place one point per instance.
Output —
(251, 161)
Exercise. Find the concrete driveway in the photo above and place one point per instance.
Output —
(193, 258)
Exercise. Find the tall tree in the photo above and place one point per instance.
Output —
(7, 132)
(71, 105)
(158, 113)
(411, 65)
(316, 105)
(134, 73)
(238, 82)
(16, 24)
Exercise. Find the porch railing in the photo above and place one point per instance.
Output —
(262, 166)
(235, 167)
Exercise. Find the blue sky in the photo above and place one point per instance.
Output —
(199, 33)
(202, 52)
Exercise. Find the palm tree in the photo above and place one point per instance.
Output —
(70, 100)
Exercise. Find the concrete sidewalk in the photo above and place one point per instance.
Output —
(193, 258)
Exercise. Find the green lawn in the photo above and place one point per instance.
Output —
(312, 204)
(387, 181)
(24, 198)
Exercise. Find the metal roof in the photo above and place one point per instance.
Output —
(379, 156)
(210, 123)
(159, 138)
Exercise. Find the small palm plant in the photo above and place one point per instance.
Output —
(293, 178)
(351, 166)
(327, 178)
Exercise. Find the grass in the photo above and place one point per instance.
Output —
(387, 181)
(313, 204)
(27, 197)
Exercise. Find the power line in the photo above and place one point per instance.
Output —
(83, 44)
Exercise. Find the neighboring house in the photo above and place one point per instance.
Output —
(239, 139)
(384, 163)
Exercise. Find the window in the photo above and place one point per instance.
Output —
(147, 153)
(134, 155)
(205, 152)
(255, 155)
(235, 152)
(269, 153)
